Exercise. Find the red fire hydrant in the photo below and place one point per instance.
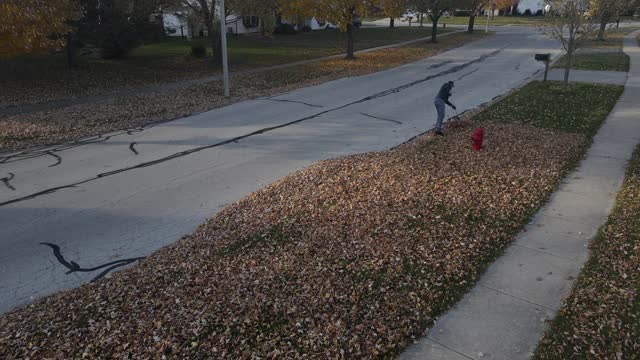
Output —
(478, 138)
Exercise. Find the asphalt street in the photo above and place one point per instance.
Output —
(74, 213)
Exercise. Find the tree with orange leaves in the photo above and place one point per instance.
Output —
(505, 5)
(33, 26)
(394, 9)
(342, 13)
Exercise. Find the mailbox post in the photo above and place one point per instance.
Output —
(546, 59)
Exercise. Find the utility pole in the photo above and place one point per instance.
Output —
(489, 16)
(225, 62)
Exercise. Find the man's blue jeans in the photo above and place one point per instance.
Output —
(440, 108)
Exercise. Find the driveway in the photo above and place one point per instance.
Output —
(101, 204)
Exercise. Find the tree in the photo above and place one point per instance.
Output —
(393, 9)
(33, 26)
(569, 22)
(434, 9)
(505, 5)
(606, 11)
(474, 7)
(207, 11)
(296, 10)
(342, 13)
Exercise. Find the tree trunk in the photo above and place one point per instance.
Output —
(392, 23)
(567, 70)
(434, 30)
(421, 20)
(216, 47)
(72, 58)
(472, 22)
(603, 27)
(350, 55)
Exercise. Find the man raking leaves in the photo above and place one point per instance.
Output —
(441, 99)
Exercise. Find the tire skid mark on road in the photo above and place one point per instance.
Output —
(181, 154)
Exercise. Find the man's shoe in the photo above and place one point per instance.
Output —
(439, 133)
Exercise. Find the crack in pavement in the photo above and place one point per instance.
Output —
(35, 153)
(132, 148)
(181, 154)
(74, 267)
(58, 158)
(293, 101)
(435, 66)
(380, 118)
(44, 151)
(6, 182)
(467, 74)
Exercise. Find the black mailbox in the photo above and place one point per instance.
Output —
(546, 59)
(543, 57)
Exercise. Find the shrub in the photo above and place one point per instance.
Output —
(461, 13)
(117, 40)
(306, 28)
(198, 51)
(527, 12)
(285, 29)
(539, 13)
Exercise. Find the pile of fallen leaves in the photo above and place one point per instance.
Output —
(129, 112)
(600, 319)
(352, 257)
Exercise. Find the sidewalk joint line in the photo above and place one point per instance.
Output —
(570, 220)
(607, 157)
(544, 252)
(516, 297)
(449, 348)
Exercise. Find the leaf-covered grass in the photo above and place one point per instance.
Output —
(600, 319)
(349, 258)
(544, 104)
(30, 79)
(600, 62)
(70, 123)
(613, 40)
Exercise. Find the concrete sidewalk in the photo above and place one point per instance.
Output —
(506, 313)
(590, 76)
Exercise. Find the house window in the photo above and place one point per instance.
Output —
(250, 21)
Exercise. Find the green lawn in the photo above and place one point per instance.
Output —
(601, 62)
(253, 50)
(544, 104)
(600, 319)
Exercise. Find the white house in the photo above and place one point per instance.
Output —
(178, 23)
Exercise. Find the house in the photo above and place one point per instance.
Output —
(533, 6)
(182, 23)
